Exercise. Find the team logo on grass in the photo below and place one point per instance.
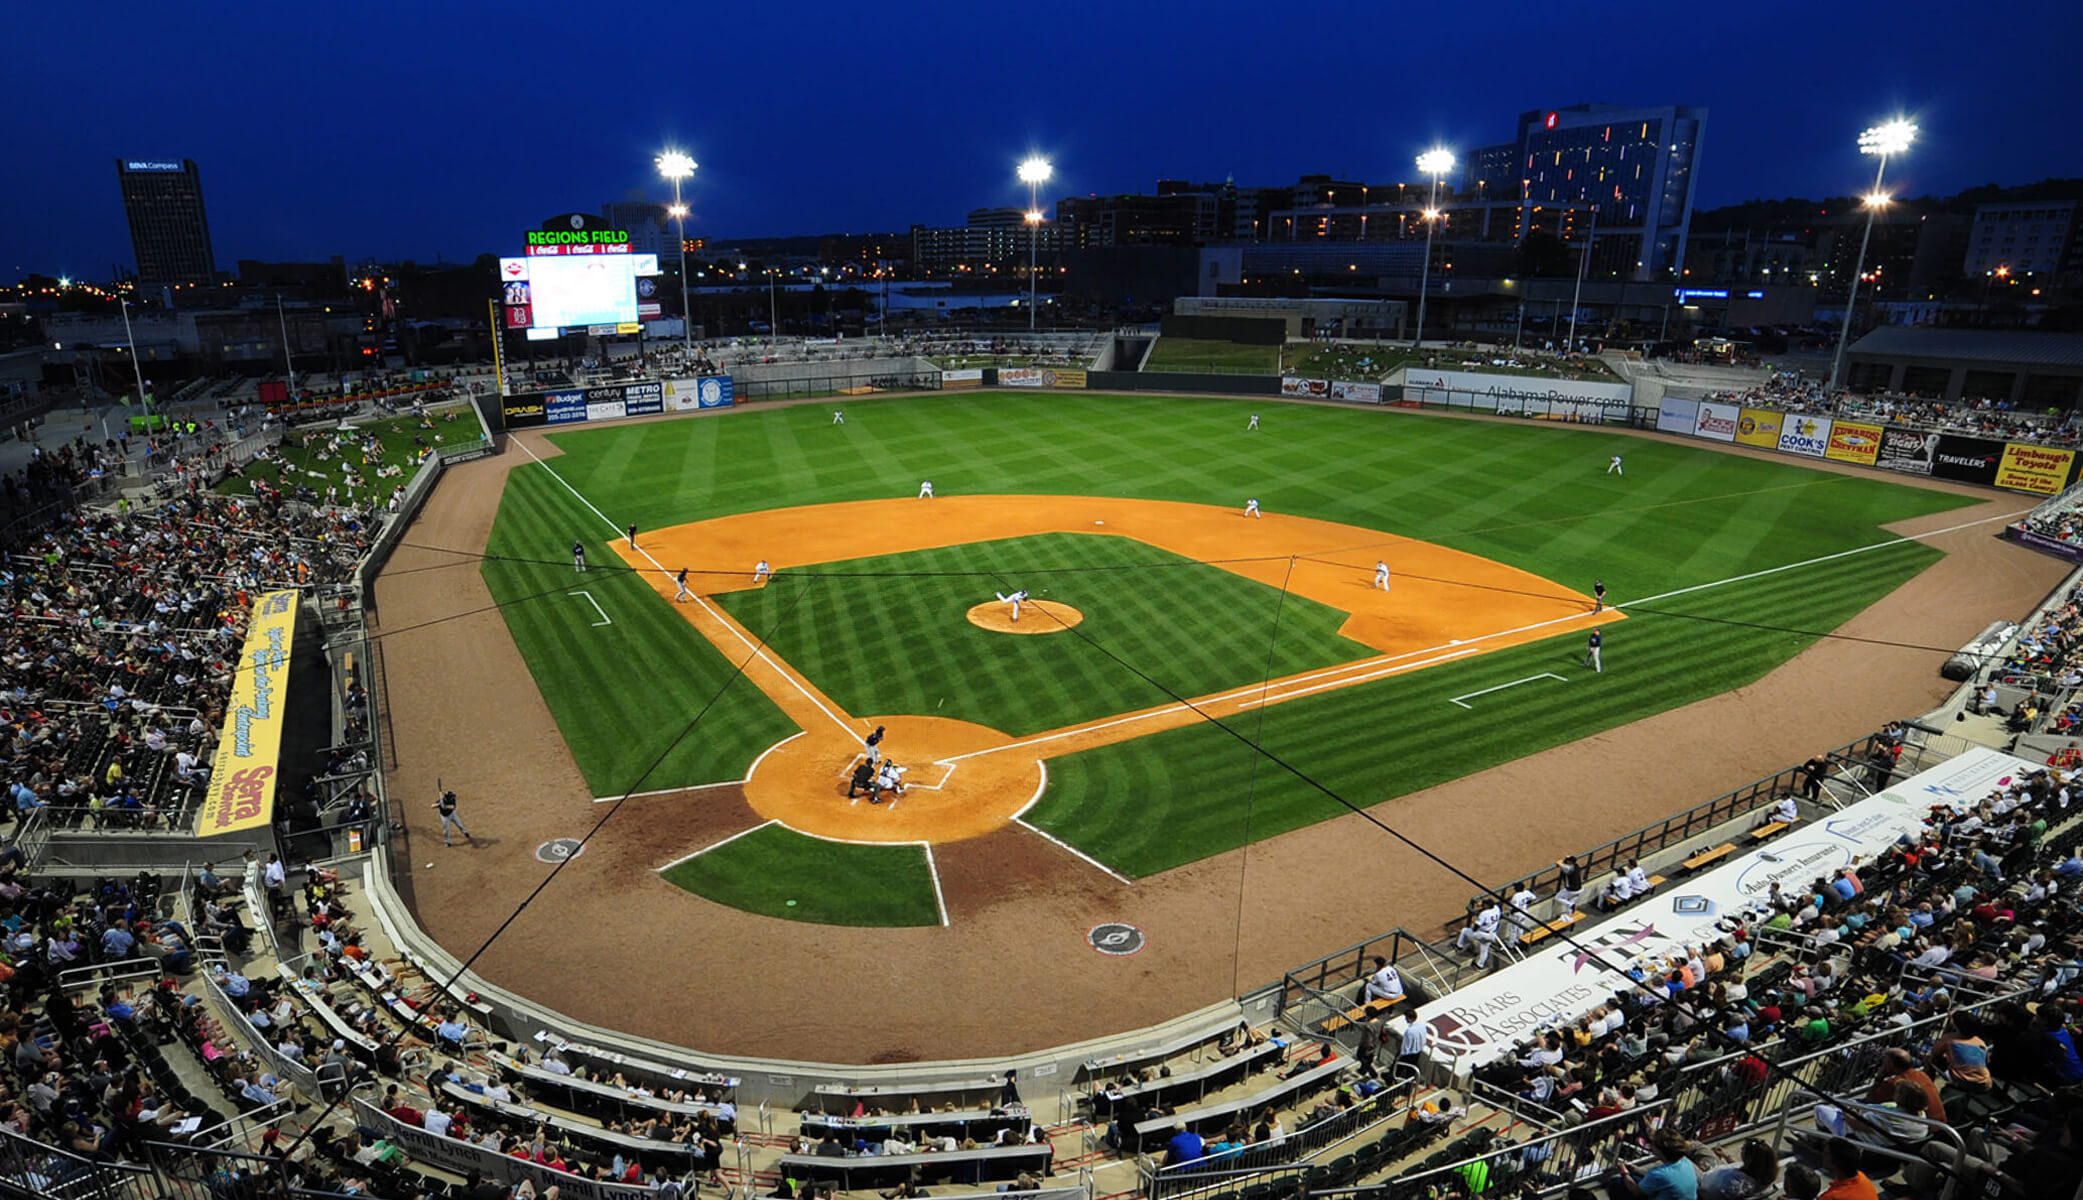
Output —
(557, 850)
(1116, 938)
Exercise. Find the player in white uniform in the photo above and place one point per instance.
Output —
(761, 572)
(925, 489)
(1381, 575)
(1015, 599)
(682, 595)
(1251, 507)
(838, 417)
(1613, 468)
(1254, 423)
(1482, 930)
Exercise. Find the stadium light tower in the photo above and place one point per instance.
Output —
(677, 166)
(1883, 142)
(1435, 162)
(1034, 172)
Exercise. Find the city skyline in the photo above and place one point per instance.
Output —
(447, 139)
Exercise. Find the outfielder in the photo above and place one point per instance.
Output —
(1482, 930)
(1254, 424)
(1251, 507)
(761, 572)
(1613, 468)
(1381, 575)
(578, 556)
(838, 417)
(1013, 599)
(925, 489)
(682, 596)
(1591, 649)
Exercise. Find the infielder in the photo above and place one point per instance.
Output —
(761, 572)
(632, 535)
(446, 806)
(1253, 427)
(1381, 575)
(682, 596)
(1598, 596)
(1591, 649)
(838, 417)
(578, 556)
(1013, 599)
(1251, 507)
(1613, 468)
(925, 489)
(1482, 930)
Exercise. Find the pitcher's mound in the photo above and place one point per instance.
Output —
(1036, 616)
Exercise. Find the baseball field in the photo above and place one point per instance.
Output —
(1183, 679)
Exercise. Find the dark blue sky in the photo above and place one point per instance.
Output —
(446, 129)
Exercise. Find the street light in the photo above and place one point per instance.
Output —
(1881, 141)
(1435, 162)
(143, 401)
(677, 166)
(1034, 172)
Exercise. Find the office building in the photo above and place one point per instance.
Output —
(169, 231)
(995, 240)
(650, 226)
(1636, 166)
(2020, 238)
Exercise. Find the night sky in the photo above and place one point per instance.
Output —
(448, 129)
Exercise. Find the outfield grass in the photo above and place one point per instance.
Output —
(1533, 496)
(829, 883)
(880, 643)
(1206, 354)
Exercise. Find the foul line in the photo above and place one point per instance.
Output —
(1074, 851)
(757, 651)
(715, 845)
(1383, 673)
(933, 871)
(672, 791)
(1500, 687)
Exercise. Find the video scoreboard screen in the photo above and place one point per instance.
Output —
(582, 286)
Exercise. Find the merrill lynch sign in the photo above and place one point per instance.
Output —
(1479, 1023)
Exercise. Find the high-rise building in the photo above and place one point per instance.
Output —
(2019, 238)
(1636, 166)
(650, 226)
(169, 232)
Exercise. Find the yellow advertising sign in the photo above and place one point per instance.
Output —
(241, 794)
(1064, 378)
(1758, 427)
(1854, 442)
(2042, 470)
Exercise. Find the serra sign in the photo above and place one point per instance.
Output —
(241, 791)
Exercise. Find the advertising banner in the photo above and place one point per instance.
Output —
(973, 377)
(1069, 377)
(1292, 386)
(1759, 427)
(1907, 451)
(709, 391)
(1020, 376)
(1802, 434)
(2044, 544)
(1966, 459)
(1717, 422)
(2041, 470)
(1479, 1023)
(562, 408)
(241, 791)
(1482, 390)
(521, 410)
(1676, 414)
(1853, 442)
(1362, 393)
(604, 410)
(643, 399)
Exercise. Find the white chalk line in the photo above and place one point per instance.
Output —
(1500, 687)
(605, 619)
(1075, 852)
(715, 845)
(757, 652)
(673, 791)
(1383, 673)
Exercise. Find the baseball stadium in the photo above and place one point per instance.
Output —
(1087, 780)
